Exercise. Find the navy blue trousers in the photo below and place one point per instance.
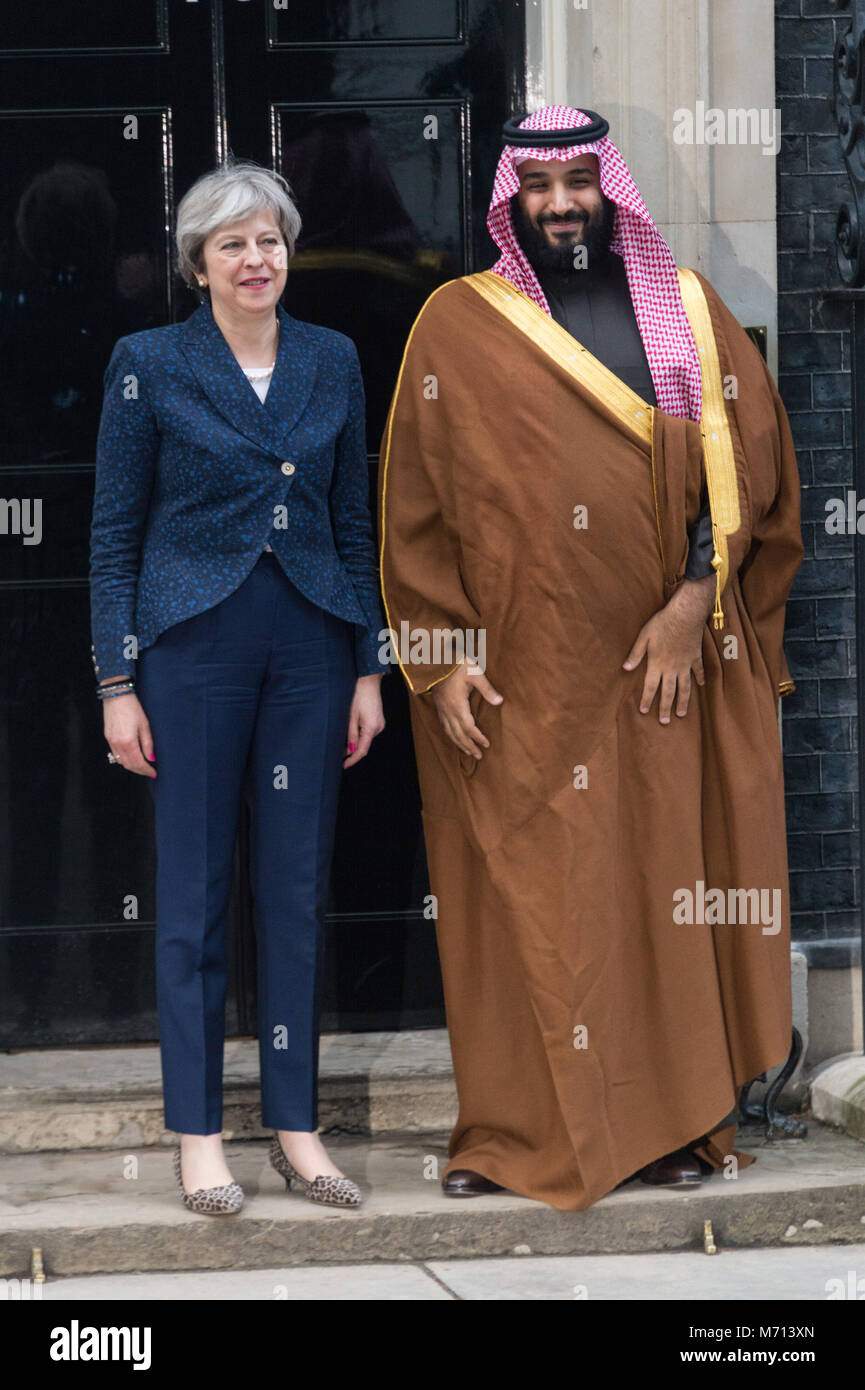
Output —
(254, 692)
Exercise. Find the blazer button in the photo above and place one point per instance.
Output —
(287, 468)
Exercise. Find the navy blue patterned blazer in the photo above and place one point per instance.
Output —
(194, 475)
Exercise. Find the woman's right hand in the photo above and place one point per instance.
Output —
(127, 731)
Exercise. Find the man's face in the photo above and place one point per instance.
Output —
(561, 206)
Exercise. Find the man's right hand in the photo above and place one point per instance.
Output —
(127, 731)
(451, 698)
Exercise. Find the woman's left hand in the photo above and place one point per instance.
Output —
(365, 720)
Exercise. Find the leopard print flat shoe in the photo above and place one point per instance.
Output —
(209, 1201)
(330, 1192)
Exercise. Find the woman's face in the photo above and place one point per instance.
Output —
(246, 264)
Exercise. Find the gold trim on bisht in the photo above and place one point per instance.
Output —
(630, 409)
(522, 311)
(385, 467)
(718, 453)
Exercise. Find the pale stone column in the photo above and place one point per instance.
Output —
(639, 62)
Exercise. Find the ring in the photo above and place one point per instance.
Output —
(113, 758)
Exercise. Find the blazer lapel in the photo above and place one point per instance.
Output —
(223, 381)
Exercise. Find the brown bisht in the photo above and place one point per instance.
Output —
(592, 1029)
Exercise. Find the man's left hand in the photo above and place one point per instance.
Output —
(672, 642)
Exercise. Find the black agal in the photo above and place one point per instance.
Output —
(545, 139)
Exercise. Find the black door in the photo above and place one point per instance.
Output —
(384, 116)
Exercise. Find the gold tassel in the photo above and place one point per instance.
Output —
(717, 562)
(717, 611)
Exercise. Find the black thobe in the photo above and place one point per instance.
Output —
(595, 307)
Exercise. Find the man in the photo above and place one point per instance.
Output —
(603, 802)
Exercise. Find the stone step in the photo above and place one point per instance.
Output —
(110, 1212)
(111, 1097)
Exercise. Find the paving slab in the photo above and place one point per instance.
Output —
(351, 1283)
(114, 1212)
(817, 1274)
(820, 1273)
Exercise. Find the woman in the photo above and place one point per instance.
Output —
(235, 608)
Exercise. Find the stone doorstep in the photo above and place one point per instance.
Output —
(85, 1098)
(838, 1093)
(87, 1217)
(111, 1097)
(370, 1083)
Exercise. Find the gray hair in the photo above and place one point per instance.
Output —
(230, 194)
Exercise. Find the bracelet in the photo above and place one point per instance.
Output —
(106, 692)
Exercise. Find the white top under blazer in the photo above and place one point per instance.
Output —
(259, 380)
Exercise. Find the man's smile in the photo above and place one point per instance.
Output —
(573, 225)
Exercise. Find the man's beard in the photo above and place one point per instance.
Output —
(545, 257)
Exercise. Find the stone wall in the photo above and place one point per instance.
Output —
(819, 720)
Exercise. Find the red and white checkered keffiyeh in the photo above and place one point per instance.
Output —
(649, 264)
